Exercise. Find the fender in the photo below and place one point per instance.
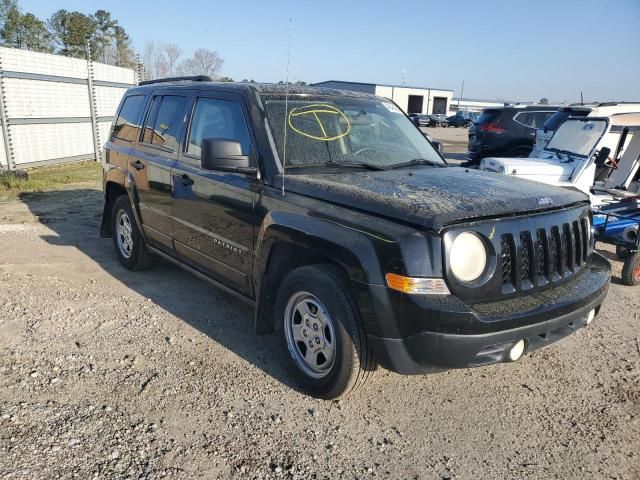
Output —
(351, 249)
(124, 179)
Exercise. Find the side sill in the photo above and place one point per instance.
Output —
(202, 276)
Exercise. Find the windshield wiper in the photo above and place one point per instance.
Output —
(417, 161)
(332, 163)
(368, 166)
(569, 154)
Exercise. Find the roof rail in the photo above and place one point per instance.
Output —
(194, 78)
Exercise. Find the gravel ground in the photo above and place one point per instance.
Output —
(111, 374)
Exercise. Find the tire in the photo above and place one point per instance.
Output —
(622, 252)
(315, 305)
(127, 240)
(631, 270)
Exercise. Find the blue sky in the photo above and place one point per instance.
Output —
(513, 50)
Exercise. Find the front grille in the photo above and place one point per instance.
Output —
(540, 252)
(525, 257)
(544, 255)
(507, 265)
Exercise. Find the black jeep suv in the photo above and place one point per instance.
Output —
(505, 132)
(332, 215)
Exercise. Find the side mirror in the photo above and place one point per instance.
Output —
(224, 155)
(438, 146)
(602, 156)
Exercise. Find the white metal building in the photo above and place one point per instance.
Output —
(474, 104)
(424, 100)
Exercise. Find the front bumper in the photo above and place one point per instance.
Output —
(458, 335)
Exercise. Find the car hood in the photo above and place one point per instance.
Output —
(432, 197)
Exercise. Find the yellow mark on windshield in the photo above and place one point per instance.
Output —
(333, 124)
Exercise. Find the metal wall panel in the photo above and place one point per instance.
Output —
(104, 128)
(33, 62)
(38, 143)
(3, 155)
(39, 99)
(109, 73)
(107, 100)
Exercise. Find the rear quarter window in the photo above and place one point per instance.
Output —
(127, 125)
(553, 122)
(488, 116)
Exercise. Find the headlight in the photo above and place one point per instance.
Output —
(467, 257)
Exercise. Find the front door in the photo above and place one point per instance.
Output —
(213, 211)
(151, 166)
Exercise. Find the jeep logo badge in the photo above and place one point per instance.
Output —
(544, 201)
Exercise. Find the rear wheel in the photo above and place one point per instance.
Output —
(322, 332)
(631, 270)
(127, 240)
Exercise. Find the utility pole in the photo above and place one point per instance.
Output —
(461, 94)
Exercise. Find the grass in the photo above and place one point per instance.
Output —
(49, 178)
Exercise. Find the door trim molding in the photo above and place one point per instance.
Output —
(221, 241)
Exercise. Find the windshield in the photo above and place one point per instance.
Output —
(577, 136)
(342, 129)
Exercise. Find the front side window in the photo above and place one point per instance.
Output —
(127, 124)
(164, 121)
(215, 118)
(343, 129)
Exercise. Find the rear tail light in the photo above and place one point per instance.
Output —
(491, 127)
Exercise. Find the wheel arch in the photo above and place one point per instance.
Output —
(292, 241)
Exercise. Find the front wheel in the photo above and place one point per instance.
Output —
(127, 240)
(631, 270)
(322, 332)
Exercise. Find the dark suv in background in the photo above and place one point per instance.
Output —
(506, 132)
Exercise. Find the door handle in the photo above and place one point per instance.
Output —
(138, 165)
(187, 180)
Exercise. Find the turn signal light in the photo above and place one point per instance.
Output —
(417, 286)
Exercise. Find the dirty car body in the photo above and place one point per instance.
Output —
(344, 185)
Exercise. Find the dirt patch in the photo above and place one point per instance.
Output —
(112, 374)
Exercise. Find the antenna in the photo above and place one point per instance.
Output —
(286, 107)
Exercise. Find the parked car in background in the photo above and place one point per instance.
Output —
(505, 132)
(544, 134)
(459, 121)
(420, 120)
(438, 120)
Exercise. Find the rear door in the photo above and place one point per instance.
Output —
(156, 154)
(213, 211)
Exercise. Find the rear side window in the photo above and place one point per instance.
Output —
(532, 119)
(488, 116)
(127, 126)
(215, 118)
(164, 121)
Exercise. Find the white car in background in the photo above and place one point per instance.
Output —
(582, 154)
(546, 131)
